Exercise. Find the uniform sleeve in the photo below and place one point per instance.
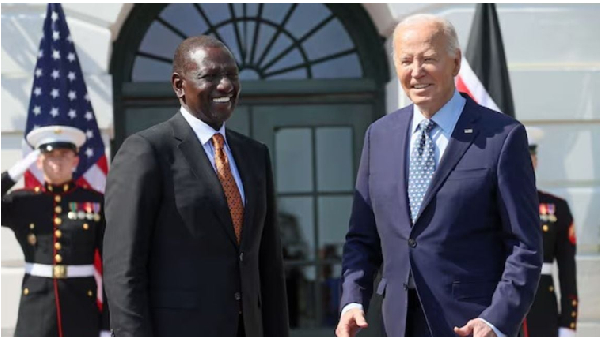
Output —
(567, 271)
(7, 201)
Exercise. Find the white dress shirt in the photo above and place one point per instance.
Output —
(445, 120)
(204, 133)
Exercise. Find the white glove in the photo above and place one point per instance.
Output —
(21, 166)
(565, 332)
(105, 333)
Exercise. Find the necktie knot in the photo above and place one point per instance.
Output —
(218, 141)
(427, 125)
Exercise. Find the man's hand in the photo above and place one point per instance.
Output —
(17, 171)
(477, 328)
(350, 322)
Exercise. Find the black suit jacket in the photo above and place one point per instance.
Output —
(172, 266)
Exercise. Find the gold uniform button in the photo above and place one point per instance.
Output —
(572, 326)
(573, 314)
(25, 291)
(31, 226)
(37, 189)
(57, 221)
(551, 288)
(86, 226)
(90, 293)
(50, 188)
(58, 209)
(57, 246)
(545, 228)
(58, 258)
(57, 198)
(58, 233)
(574, 303)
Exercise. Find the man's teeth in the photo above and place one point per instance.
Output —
(221, 99)
(420, 86)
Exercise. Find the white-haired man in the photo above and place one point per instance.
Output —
(445, 199)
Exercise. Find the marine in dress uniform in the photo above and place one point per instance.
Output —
(58, 226)
(544, 318)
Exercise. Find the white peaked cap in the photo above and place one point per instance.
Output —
(49, 137)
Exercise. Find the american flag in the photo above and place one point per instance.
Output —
(59, 97)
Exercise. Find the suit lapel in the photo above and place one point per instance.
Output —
(463, 135)
(201, 167)
(400, 137)
(243, 162)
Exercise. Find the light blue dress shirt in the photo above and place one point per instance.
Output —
(204, 133)
(445, 120)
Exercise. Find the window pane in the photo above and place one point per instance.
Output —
(293, 158)
(335, 168)
(186, 18)
(297, 228)
(160, 41)
(276, 12)
(216, 12)
(343, 67)
(331, 39)
(334, 213)
(305, 18)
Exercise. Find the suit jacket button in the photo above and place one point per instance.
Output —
(241, 257)
(412, 243)
(237, 296)
(405, 286)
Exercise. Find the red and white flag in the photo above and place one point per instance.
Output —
(483, 72)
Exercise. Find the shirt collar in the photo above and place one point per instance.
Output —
(446, 118)
(202, 130)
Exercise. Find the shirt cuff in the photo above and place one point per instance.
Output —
(566, 332)
(105, 333)
(351, 306)
(496, 331)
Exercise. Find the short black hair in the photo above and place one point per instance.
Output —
(183, 50)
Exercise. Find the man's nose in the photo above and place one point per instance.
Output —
(225, 85)
(417, 69)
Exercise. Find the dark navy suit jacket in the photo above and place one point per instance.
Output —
(475, 248)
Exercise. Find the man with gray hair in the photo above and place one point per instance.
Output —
(446, 201)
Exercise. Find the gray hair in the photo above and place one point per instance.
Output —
(447, 29)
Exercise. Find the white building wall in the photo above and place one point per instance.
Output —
(553, 55)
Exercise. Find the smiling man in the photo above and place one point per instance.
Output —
(445, 200)
(192, 245)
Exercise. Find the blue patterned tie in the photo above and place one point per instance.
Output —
(422, 167)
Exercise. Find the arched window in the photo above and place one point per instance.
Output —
(269, 41)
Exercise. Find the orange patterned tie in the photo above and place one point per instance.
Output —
(232, 193)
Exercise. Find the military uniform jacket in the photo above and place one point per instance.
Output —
(544, 319)
(57, 227)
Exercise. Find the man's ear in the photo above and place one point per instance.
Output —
(457, 62)
(177, 82)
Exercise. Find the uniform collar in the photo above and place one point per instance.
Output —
(59, 188)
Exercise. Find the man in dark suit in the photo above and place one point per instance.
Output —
(446, 201)
(192, 246)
